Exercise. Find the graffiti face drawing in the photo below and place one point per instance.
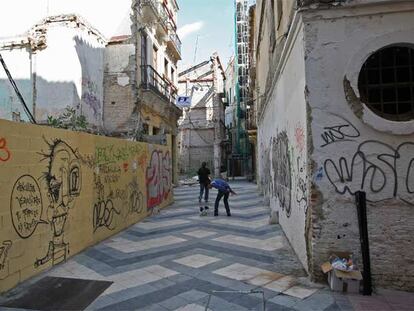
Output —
(63, 180)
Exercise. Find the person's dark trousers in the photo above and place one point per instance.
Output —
(203, 189)
(220, 194)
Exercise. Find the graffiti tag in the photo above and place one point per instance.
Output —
(113, 154)
(136, 198)
(282, 171)
(380, 170)
(103, 215)
(158, 178)
(4, 151)
(341, 132)
(300, 138)
(301, 186)
(4, 250)
(104, 211)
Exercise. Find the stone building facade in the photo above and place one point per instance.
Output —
(58, 63)
(202, 127)
(336, 116)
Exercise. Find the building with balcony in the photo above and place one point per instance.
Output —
(140, 76)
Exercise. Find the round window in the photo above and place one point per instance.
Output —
(386, 83)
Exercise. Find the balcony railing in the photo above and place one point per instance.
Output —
(176, 41)
(152, 80)
(159, 9)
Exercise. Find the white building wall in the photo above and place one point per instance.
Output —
(70, 73)
(282, 146)
(19, 65)
(353, 149)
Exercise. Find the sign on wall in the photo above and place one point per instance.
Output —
(183, 101)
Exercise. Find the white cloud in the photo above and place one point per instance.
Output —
(188, 29)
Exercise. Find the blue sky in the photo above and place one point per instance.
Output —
(213, 22)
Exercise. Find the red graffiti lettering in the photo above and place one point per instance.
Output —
(5, 154)
(158, 178)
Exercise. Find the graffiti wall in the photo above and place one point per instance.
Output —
(63, 191)
(355, 149)
(282, 156)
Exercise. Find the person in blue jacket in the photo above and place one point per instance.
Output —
(224, 190)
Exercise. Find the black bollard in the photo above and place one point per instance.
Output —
(361, 204)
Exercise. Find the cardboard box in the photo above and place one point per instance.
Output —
(342, 281)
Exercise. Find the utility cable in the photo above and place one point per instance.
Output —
(16, 89)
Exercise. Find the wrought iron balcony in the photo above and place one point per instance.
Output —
(158, 10)
(175, 43)
(152, 80)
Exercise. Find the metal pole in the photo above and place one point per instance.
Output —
(361, 204)
(16, 90)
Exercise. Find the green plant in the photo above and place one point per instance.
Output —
(69, 119)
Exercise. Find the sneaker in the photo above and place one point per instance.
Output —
(201, 209)
(215, 214)
(228, 215)
(205, 207)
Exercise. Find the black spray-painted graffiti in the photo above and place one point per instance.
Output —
(4, 251)
(343, 132)
(104, 211)
(282, 171)
(301, 184)
(266, 177)
(63, 179)
(380, 170)
(136, 198)
(26, 206)
(4, 259)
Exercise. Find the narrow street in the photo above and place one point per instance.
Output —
(176, 259)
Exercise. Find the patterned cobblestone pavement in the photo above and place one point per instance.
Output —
(179, 260)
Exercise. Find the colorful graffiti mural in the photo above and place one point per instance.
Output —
(158, 178)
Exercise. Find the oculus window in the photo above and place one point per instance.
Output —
(386, 83)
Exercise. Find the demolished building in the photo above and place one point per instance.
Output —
(202, 127)
(58, 63)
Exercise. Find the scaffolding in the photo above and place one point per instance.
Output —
(241, 152)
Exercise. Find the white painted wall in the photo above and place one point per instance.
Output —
(69, 72)
(337, 44)
(19, 65)
(282, 147)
